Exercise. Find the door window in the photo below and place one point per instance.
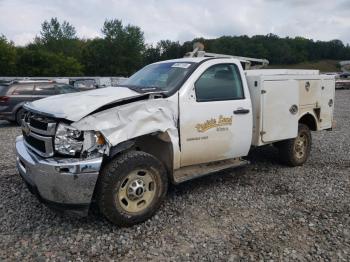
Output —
(65, 89)
(219, 82)
(45, 90)
(23, 90)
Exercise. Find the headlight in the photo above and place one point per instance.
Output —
(68, 140)
(71, 141)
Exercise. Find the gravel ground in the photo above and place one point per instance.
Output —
(263, 211)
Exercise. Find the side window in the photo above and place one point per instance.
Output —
(23, 89)
(219, 82)
(65, 89)
(45, 90)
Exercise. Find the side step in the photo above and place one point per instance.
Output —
(190, 172)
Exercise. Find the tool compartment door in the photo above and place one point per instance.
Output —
(327, 103)
(280, 110)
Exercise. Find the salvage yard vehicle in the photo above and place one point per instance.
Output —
(172, 121)
(13, 95)
(343, 81)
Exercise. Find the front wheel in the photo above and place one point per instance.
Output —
(295, 152)
(131, 188)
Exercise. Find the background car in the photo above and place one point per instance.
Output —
(14, 94)
(83, 84)
(343, 81)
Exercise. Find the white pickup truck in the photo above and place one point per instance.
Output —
(172, 121)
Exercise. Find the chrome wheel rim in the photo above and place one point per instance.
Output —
(137, 191)
(300, 146)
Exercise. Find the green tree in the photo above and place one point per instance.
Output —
(95, 57)
(58, 38)
(44, 63)
(7, 57)
(120, 52)
(151, 55)
(170, 50)
(54, 30)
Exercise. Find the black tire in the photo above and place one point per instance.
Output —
(112, 180)
(19, 116)
(291, 153)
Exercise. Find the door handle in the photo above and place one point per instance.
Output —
(241, 111)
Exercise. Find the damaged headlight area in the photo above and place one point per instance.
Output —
(73, 142)
(68, 140)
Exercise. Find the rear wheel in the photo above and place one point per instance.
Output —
(131, 188)
(295, 152)
(19, 116)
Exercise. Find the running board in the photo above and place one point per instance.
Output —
(191, 172)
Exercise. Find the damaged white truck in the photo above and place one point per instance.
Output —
(170, 122)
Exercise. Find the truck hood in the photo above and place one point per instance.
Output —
(75, 106)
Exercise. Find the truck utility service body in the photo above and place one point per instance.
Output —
(77, 147)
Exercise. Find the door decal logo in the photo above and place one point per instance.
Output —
(214, 122)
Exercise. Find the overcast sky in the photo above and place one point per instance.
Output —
(182, 20)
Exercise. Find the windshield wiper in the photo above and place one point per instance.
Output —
(151, 89)
(146, 89)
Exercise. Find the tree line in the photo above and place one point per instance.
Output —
(57, 51)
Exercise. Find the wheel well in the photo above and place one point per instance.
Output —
(309, 120)
(15, 112)
(158, 145)
(18, 107)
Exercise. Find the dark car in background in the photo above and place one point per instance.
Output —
(342, 81)
(14, 94)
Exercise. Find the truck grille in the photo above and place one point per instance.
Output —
(38, 124)
(38, 132)
(34, 142)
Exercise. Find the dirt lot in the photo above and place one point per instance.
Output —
(260, 212)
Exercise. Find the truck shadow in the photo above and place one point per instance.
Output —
(264, 154)
(262, 159)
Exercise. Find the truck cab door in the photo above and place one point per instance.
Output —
(215, 113)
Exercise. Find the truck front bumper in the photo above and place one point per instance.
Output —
(62, 183)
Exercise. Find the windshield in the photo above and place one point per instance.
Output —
(159, 77)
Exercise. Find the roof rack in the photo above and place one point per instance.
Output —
(25, 81)
(248, 62)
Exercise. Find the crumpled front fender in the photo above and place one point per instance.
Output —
(136, 119)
